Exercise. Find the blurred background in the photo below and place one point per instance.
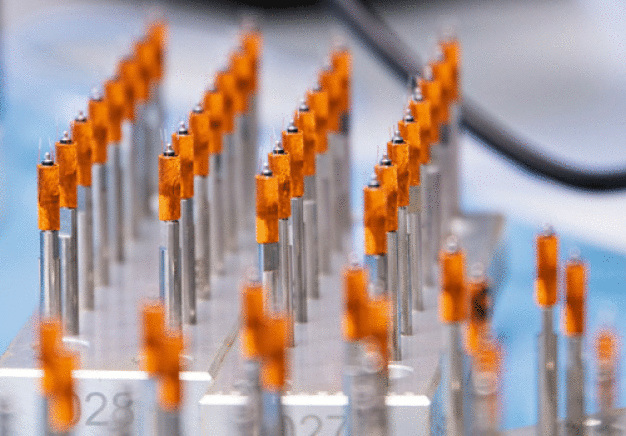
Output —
(554, 72)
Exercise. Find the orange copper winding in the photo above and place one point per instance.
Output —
(375, 218)
(115, 96)
(67, 160)
(169, 186)
(420, 109)
(83, 137)
(99, 115)
(182, 143)
(387, 174)
(452, 298)
(575, 296)
(280, 164)
(128, 70)
(252, 313)
(200, 130)
(274, 342)
(410, 131)
(62, 408)
(355, 298)
(214, 105)
(293, 143)
(546, 282)
(317, 99)
(225, 81)
(431, 90)
(49, 344)
(48, 195)
(479, 312)
(266, 207)
(170, 387)
(398, 150)
(153, 329)
(305, 121)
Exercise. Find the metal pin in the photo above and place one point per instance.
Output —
(85, 246)
(50, 274)
(322, 190)
(393, 292)
(282, 299)
(404, 290)
(69, 275)
(240, 179)
(250, 128)
(137, 167)
(415, 246)
(249, 421)
(431, 222)
(230, 199)
(297, 259)
(203, 237)
(102, 276)
(575, 387)
(547, 376)
(117, 202)
(311, 259)
(217, 211)
(335, 149)
(188, 258)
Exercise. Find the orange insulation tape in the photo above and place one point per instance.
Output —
(48, 197)
(214, 105)
(421, 113)
(546, 284)
(575, 296)
(252, 43)
(410, 131)
(318, 102)
(153, 329)
(442, 73)
(170, 387)
(243, 70)
(374, 219)
(67, 161)
(479, 313)
(182, 143)
(200, 130)
(280, 164)
(128, 70)
(331, 84)
(157, 34)
(452, 298)
(388, 177)
(225, 81)
(378, 320)
(99, 115)
(355, 297)
(62, 405)
(169, 188)
(341, 60)
(398, 151)
(144, 61)
(252, 313)
(305, 121)
(293, 143)
(431, 90)
(452, 54)
(266, 208)
(274, 347)
(83, 137)
(115, 96)
(50, 333)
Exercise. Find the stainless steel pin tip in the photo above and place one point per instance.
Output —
(95, 94)
(169, 151)
(81, 116)
(47, 159)
(397, 137)
(291, 128)
(452, 244)
(373, 183)
(266, 170)
(197, 108)
(66, 137)
(303, 106)
(182, 128)
(547, 229)
(278, 148)
(417, 94)
(385, 161)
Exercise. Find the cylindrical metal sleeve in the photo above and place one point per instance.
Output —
(199, 128)
(128, 70)
(48, 201)
(83, 137)
(355, 298)
(421, 113)
(293, 143)
(431, 89)
(374, 220)
(225, 82)
(388, 177)
(452, 298)
(330, 83)
(116, 100)
(305, 121)
(411, 134)
(266, 209)
(214, 105)
(169, 188)
(318, 102)
(183, 147)
(575, 296)
(67, 161)
(99, 115)
(399, 155)
(547, 266)
(280, 164)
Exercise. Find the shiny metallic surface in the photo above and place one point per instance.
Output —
(170, 274)
(547, 388)
(322, 190)
(454, 384)
(415, 247)
(117, 203)
(168, 423)
(431, 224)
(229, 154)
(404, 288)
(218, 211)
(311, 259)
(203, 237)
(335, 145)
(188, 260)
(392, 289)
(282, 298)
(102, 259)
(69, 275)
(85, 248)
(49, 274)
(574, 387)
(299, 290)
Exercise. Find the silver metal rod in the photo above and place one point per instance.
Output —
(404, 290)
(188, 259)
(454, 387)
(393, 292)
(269, 264)
(117, 202)
(169, 423)
(486, 408)
(203, 237)
(250, 156)
(240, 179)
(217, 211)
(430, 223)
(141, 160)
(282, 299)
(607, 392)
(230, 198)
(49, 274)
(345, 176)
(153, 121)
(169, 277)
(450, 167)
(547, 389)
(377, 267)
(102, 274)
(415, 246)
(574, 388)
(273, 417)
(323, 210)
(85, 247)
(130, 188)
(311, 267)
(69, 275)
(334, 188)
(297, 259)
(250, 419)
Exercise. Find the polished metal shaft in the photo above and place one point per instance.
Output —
(431, 223)
(297, 260)
(453, 381)
(169, 277)
(450, 200)
(250, 155)
(230, 198)
(249, 420)
(102, 274)
(69, 274)
(486, 407)
(273, 415)
(393, 293)
(240, 179)
(169, 423)
(547, 387)
(85, 247)
(188, 260)
(574, 388)
(311, 267)
(217, 211)
(203, 237)
(334, 188)
(404, 288)
(117, 203)
(49, 274)
(415, 246)
(322, 190)
(269, 265)
(282, 298)
(130, 187)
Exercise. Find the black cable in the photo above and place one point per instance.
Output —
(399, 57)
